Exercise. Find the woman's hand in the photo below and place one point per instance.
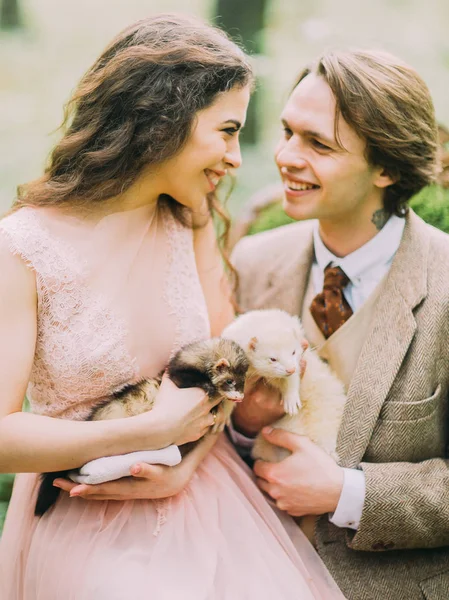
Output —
(149, 482)
(262, 404)
(182, 415)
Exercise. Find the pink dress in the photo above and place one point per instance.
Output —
(115, 299)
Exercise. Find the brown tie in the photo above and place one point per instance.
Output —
(330, 308)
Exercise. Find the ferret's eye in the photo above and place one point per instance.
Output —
(273, 359)
(229, 381)
(294, 352)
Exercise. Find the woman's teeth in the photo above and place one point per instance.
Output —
(300, 187)
(213, 177)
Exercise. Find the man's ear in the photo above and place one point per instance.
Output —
(384, 178)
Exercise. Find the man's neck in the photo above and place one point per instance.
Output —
(344, 237)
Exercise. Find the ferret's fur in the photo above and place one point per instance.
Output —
(315, 405)
(218, 366)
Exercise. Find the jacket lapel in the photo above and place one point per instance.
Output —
(285, 283)
(388, 340)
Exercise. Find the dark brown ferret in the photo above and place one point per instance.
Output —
(217, 366)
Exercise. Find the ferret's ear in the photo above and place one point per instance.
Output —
(223, 363)
(297, 328)
(252, 343)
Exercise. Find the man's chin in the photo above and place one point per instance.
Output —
(296, 211)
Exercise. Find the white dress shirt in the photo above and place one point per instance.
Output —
(365, 268)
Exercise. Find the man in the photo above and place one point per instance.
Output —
(370, 281)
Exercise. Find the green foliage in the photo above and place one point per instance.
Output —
(6, 481)
(431, 204)
(269, 218)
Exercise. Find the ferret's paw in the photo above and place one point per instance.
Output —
(292, 404)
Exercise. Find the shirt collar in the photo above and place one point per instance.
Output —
(375, 253)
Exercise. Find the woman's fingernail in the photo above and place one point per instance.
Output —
(267, 430)
(136, 469)
(56, 485)
(73, 494)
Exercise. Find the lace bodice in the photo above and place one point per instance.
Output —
(115, 300)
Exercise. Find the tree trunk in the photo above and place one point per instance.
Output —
(244, 21)
(10, 17)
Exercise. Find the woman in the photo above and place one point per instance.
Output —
(111, 264)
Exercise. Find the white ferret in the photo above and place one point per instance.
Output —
(314, 404)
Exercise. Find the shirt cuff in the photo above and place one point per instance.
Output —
(238, 439)
(350, 506)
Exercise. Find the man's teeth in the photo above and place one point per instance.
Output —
(294, 185)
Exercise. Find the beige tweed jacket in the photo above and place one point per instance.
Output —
(395, 423)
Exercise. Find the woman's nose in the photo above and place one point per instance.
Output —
(233, 156)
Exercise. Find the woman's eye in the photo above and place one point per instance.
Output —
(273, 359)
(319, 145)
(230, 130)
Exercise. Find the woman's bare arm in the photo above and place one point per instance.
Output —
(33, 443)
(148, 481)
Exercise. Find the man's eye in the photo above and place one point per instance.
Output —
(288, 133)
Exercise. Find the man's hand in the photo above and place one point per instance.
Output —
(309, 482)
(262, 404)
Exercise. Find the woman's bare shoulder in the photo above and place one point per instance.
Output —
(17, 279)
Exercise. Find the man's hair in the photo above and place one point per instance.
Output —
(389, 106)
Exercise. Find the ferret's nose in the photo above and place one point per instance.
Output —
(291, 370)
(235, 396)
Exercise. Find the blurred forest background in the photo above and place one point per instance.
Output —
(46, 45)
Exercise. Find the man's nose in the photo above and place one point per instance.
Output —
(291, 155)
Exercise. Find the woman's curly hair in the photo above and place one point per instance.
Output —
(135, 107)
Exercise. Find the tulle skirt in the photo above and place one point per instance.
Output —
(217, 540)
